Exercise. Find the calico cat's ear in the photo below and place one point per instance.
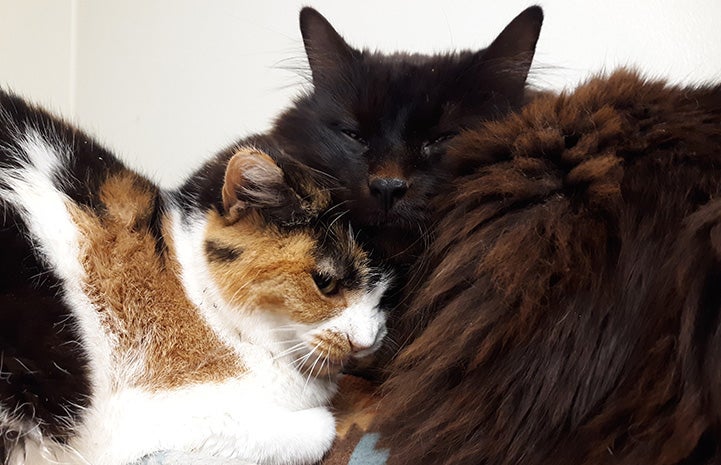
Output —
(327, 52)
(511, 53)
(253, 180)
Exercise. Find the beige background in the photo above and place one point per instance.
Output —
(165, 83)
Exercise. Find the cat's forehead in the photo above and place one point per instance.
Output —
(402, 86)
(416, 67)
(337, 250)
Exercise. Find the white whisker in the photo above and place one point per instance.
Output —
(293, 349)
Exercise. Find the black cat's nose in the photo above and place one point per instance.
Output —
(388, 190)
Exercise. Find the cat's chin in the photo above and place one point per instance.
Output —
(394, 220)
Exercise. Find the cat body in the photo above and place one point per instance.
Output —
(570, 311)
(212, 319)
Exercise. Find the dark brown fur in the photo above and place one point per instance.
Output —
(570, 311)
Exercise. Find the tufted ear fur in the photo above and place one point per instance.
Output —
(254, 181)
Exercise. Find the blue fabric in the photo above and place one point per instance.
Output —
(365, 453)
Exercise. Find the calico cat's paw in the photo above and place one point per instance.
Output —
(297, 437)
(313, 434)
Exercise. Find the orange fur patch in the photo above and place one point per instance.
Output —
(139, 294)
(273, 272)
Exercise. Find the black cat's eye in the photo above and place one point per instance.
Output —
(327, 285)
(437, 144)
(354, 135)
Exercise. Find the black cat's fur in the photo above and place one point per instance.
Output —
(571, 311)
(377, 124)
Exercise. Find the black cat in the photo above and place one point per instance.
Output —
(377, 125)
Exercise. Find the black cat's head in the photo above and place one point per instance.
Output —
(377, 125)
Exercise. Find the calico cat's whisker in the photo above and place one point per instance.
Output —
(305, 358)
(27, 370)
(312, 368)
(77, 454)
(243, 287)
(330, 372)
(318, 355)
(2, 362)
(322, 365)
(286, 328)
(59, 368)
(290, 350)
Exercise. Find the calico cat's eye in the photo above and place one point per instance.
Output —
(436, 145)
(327, 285)
(354, 135)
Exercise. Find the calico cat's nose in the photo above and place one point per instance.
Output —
(388, 190)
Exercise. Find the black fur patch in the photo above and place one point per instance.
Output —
(221, 253)
(43, 366)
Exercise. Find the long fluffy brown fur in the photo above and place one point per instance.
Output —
(570, 311)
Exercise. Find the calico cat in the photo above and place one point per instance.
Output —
(377, 125)
(571, 311)
(212, 319)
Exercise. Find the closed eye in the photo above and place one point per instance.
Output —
(355, 136)
(436, 144)
(442, 138)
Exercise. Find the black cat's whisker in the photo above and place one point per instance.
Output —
(421, 237)
(391, 343)
(326, 174)
(335, 220)
(295, 64)
(336, 207)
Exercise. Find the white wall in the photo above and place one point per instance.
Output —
(36, 51)
(165, 83)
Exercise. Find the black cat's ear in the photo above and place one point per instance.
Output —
(327, 51)
(252, 180)
(511, 53)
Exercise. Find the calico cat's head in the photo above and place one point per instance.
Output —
(378, 125)
(280, 261)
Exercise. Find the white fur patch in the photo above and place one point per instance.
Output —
(234, 419)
